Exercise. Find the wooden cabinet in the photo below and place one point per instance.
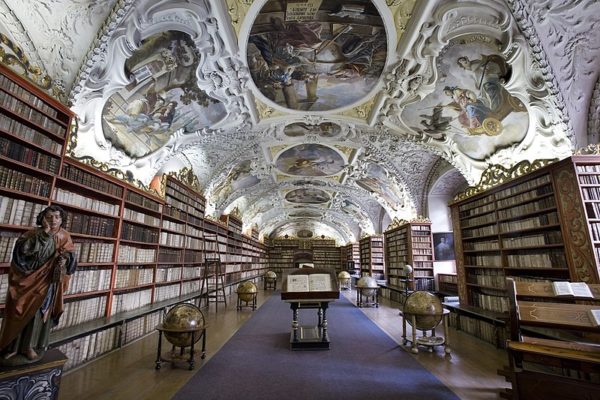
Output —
(542, 226)
(371, 257)
(350, 258)
(410, 243)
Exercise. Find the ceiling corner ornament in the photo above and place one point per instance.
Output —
(402, 11)
(590, 149)
(361, 111)
(238, 9)
(265, 111)
(186, 175)
(524, 20)
(495, 175)
(13, 56)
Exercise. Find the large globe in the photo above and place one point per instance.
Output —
(427, 308)
(367, 285)
(343, 275)
(246, 291)
(180, 318)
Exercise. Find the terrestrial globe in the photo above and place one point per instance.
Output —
(344, 279)
(180, 318)
(427, 309)
(270, 276)
(246, 291)
(367, 285)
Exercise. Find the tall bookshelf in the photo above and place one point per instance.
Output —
(325, 254)
(372, 257)
(350, 258)
(542, 226)
(410, 243)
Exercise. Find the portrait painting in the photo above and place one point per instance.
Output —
(316, 55)
(470, 103)
(443, 246)
(162, 98)
(310, 160)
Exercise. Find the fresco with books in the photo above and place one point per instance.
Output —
(316, 55)
(162, 97)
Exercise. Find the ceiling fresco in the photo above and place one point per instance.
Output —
(315, 117)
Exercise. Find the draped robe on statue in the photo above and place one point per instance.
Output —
(34, 302)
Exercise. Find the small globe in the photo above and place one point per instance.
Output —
(343, 275)
(367, 285)
(270, 276)
(407, 269)
(246, 291)
(426, 306)
(181, 317)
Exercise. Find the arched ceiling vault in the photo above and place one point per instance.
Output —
(319, 117)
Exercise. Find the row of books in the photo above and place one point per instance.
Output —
(590, 193)
(540, 239)
(174, 213)
(485, 207)
(166, 255)
(190, 287)
(29, 134)
(130, 300)
(89, 279)
(183, 195)
(139, 233)
(81, 310)
(490, 278)
(165, 292)
(141, 218)
(131, 276)
(89, 347)
(172, 239)
(551, 258)
(541, 180)
(77, 200)
(19, 212)
(479, 219)
(173, 226)
(93, 251)
(482, 329)
(486, 260)
(525, 196)
(136, 198)
(192, 272)
(527, 208)
(490, 302)
(484, 201)
(137, 255)
(471, 245)
(425, 284)
(90, 180)
(15, 180)
(537, 221)
(142, 326)
(24, 94)
(423, 273)
(184, 206)
(22, 109)
(588, 168)
(7, 243)
(482, 231)
(28, 156)
(168, 273)
(589, 179)
(447, 278)
(93, 225)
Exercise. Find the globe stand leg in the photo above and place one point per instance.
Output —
(414, 348)
(191, 351)
(158, 358)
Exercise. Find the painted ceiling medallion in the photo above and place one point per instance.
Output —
(316, 55)
(162, 98)
(307, 196)
(310, 160)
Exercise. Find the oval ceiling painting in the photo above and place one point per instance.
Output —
(307, 196)
(162, 98)
(316, 55)
(310, 160)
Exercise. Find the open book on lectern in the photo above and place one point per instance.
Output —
(309, 283)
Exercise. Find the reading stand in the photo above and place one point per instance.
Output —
(310, 289)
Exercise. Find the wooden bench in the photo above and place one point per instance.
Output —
(566, 363)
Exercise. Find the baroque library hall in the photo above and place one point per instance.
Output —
(299, 199)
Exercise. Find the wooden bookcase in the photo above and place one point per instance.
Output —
(325, 254)
(372, 257)
(542, 226)
(447, 284)
(138, 254)
(350, 258)
(410, 243)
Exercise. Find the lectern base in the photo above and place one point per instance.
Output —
(40, 380)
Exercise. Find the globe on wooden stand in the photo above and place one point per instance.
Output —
(366, 292)
(424, 312)
(246, 292)
(270, 280)
(344, 279)
(183, 326)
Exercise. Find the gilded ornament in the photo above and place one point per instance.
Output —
(590, 149)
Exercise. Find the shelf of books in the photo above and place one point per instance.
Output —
(325, 254)
(372, 257)
(537, 227)
(350, 258)
(447, 284)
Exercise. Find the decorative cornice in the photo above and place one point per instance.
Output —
(186, 175)
(592, 149)
(495, 175)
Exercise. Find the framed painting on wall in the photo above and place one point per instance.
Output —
(443, 246)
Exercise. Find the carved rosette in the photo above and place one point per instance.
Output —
(579, 249)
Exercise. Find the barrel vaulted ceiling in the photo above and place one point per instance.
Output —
(315, 117)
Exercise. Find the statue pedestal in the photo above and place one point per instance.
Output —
(33, 381)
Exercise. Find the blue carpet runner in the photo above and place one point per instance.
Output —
(363, 362)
